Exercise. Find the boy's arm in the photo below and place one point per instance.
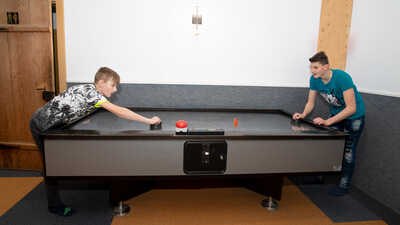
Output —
(309, 106)
(350, 109)
(126, 113)
(310, 103)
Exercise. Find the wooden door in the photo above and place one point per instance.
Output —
(26, 70)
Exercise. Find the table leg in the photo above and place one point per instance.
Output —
(269, 186)
(124, 190)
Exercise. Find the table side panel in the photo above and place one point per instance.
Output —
(113, 157)
(165, 157)
(284, 156)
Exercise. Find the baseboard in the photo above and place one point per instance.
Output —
(390, 216)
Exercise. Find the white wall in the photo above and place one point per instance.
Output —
(242, 42)
(374, 50)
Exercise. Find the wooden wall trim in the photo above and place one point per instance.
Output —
(334, 30)
(19, 145)
(62, 67)
(24, 28)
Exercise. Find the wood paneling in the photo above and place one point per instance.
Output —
(26, 69)
(27, 11)
(334, 30)
(31, 72)
(6, 91)
(12, 158)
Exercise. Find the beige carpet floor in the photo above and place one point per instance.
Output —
(214, 206)
(223, 206)
(13, 189)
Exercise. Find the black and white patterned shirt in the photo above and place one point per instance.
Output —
(75, 103)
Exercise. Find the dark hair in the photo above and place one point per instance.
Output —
(320, 57)
(105, 73)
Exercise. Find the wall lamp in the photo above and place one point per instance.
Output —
(196, 20)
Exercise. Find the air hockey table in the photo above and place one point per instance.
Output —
(255, 152)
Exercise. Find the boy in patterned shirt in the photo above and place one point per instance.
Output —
(347, 111)
(73, 104)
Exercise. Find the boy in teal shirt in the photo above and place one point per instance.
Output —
(346, 107)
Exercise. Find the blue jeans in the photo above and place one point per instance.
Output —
(354, 128)
(52, 190)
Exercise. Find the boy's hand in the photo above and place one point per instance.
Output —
(320, 121)
(155, 120)
(297, 116)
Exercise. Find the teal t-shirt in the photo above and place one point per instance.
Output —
(332, 92)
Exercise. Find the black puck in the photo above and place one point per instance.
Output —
(156, 126)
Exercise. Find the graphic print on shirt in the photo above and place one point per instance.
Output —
(75, 103)
(331, 98)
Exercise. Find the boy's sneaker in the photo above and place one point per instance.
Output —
(62, 210)
(338, 191)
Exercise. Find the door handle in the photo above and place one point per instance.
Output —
(48, 95)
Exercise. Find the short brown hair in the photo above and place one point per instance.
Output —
(320, 57)
(105, 73)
